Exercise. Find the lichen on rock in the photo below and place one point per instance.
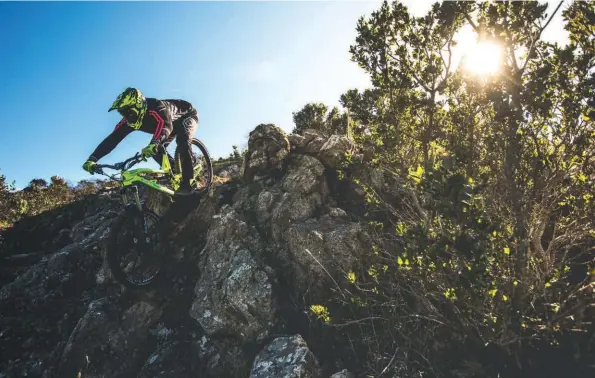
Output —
(286, 357)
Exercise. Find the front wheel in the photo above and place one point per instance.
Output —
(134, 255)
(201, 163)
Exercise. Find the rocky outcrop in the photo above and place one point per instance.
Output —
(271, 232)
(333, 151)
(286, 357)
(41, 307)
(234, 294)
(268, 147)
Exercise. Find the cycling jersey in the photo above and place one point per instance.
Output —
(158, 121)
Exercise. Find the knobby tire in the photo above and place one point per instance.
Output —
(122, 234)
(207, 175)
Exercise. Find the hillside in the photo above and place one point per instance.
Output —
(227, 292)
(439, 224)
(261, 281)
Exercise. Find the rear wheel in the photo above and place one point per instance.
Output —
(134, 255)
(203, 167)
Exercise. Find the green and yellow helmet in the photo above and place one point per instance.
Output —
(132, 105)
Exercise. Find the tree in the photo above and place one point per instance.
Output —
(486, 231)
(7, 202)
(236, 152)
(409, 61)
(311, 116)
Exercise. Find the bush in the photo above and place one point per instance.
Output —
(39, 196)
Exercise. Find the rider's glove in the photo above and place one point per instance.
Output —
(89, 166)
(150, 150)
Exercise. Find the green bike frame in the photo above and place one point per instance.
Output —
(133, 177)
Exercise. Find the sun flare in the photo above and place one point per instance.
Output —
(482, 58)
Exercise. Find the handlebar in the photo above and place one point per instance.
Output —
(122, 166)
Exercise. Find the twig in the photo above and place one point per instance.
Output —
(470, 21)
(389, 363)
(322, 266)
(359, 321)
(538, 34)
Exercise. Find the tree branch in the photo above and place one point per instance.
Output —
(538, 35)
(470, 21)
(412, 73)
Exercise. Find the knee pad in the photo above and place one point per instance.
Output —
(189, 124)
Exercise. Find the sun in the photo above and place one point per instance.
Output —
(480, 58)
(483, 58)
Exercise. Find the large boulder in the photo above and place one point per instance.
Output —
(332, 153)
(304, 191)
(105, 343)
(313, 141)
(304, 176)
(297, 141)
(268, 147)
(234, 292)
(320, 252)
(286, 357)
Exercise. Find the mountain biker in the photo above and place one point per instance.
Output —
(164, 119)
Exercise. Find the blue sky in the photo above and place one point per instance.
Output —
(239, 63)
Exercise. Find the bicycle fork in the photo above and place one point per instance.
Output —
(135, 195)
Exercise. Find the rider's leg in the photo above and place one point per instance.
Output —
(159, 155)
(184, 133)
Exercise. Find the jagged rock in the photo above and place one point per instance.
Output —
(319, 248)
(232, 171)
(158, 202)
(286, 357)
(234, 293)
(296, 140)
(305, 176)
(343, 374)
(45, 302)
(89, 225)
(268, 147)
(311, 134)
(264, 202)
(334, 149)
(291, 209)
(176, 359)
(101, 337)
(335, 212)
(314, 146)
(194, 358)
(305, 189)
(90, 328)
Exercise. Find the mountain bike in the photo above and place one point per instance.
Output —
(135, 235)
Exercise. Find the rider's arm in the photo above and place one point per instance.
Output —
(164, 123)
(111, 141)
